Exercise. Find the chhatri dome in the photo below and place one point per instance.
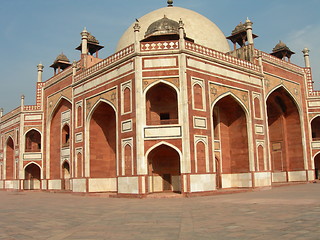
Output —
(197, 27)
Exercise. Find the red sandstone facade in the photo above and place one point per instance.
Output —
(165, 114)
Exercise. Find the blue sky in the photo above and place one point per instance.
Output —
(34, 31)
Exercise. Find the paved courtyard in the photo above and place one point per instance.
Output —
(291, 212)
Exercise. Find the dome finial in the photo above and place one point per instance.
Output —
(170, 3)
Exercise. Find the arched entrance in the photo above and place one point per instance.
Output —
(164, 170)
(161, 105)
(315, 126)
(230, 132)
(66, 176)
(103, 142)
(284, 133)
(32, 176)
(61, 116)
(9, 159)
(317, 166)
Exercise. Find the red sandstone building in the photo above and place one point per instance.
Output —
(174, 109)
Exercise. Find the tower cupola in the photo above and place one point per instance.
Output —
(92, 43)
(282, 51)
(61, 63)
(241, 34)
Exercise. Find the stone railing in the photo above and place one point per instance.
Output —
(106, 62)
(272, 59)
(159, 46)
(221, 56)
(11, 114)
(32, 108)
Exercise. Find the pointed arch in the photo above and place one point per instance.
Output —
(161, 104)
(198, 95)
(127, 96)
(316, 160)
(10, 158)
(163, 143)
(33, 140)
(159, 82)
(128, 160)
(230, 120)
(238, 100)
(32, 176)
(60, 116)
(102, 144)
(163, 168)
(56, 106)
(257, 107)
(285, 131)
(315, 127)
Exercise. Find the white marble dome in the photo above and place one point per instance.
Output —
(197, 27)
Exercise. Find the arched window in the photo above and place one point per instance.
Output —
(33, 141)
(162, 105)
(65, 136)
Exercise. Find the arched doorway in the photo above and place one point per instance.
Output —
(164, 169)
(10, 159)
(60, 116)
(32, 176)
(284, 133)
(161, 105)
(66, 176)
(317, 166)
(230, 132)
(103, 142)
(315, 127)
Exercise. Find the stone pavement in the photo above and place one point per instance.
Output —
(291, 212)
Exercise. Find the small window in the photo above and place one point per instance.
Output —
(164, 116)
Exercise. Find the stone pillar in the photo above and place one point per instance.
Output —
(22, 102)
(40, 71)
(181, 34)
(306, 57)
(84, 41)
(74, 68)
(249, 31)
(136, 28)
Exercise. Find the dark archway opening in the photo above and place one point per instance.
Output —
(164, 170)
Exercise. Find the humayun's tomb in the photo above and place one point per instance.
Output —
(174, 109)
